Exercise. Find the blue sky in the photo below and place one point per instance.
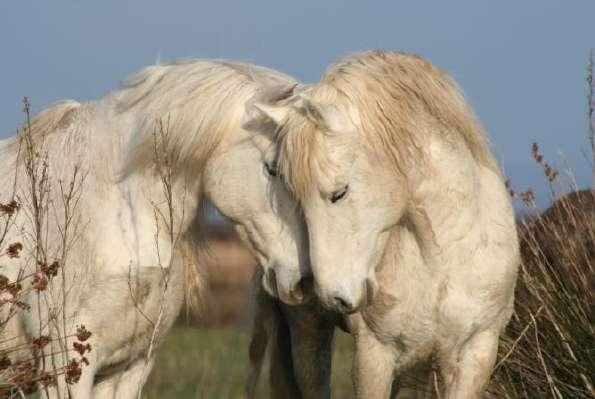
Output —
(522, 64)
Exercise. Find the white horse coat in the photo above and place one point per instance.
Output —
(411, 231)
(124, 268)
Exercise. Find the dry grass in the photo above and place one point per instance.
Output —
(547, 350)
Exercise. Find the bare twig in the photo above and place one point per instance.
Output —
(164, 167)
(28, 360)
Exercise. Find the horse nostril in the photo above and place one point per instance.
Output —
(303, 289)
(306, 284)
(343, 306)
(271, 278)
(370, 292)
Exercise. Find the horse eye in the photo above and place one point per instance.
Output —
(271, 170)
(338, 195)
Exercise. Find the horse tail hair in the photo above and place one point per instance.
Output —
(193, 280)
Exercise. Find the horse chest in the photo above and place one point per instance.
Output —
(405, 323)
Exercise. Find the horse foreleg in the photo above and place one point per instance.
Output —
(282, 378)
(466, 373)
(311, 333)
(258, 345)
(373, 365)
(125, 384)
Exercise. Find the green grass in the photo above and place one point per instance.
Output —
(213, 363)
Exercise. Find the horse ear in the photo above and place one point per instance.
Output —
(328, 117)
(263, 105)
(275, 113)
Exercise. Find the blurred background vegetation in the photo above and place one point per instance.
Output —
(206, 354)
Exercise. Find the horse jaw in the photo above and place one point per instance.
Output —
(265, 215)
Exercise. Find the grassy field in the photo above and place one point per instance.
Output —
(213, 363)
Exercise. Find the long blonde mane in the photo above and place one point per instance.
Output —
(199, 102)
(399, 98)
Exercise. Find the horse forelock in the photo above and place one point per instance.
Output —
(299, 156)
(399, 99)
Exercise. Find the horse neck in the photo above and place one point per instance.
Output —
(163, 204)
(456, 208)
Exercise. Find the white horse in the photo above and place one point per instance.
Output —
(411, 230)
(140, 161)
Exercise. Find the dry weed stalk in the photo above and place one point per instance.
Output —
(554, 300)
(27, 362)
(591, 109)
(547, 348)
(170, 214)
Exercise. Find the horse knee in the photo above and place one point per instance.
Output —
(466, 373)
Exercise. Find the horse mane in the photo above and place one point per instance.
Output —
(182, 110)
(187, 105)
(53, 119)
(195, 102)
(192, 104)
(399, 98)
